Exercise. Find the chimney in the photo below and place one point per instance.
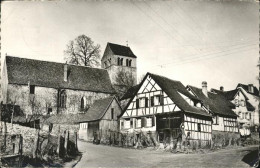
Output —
(222, 88)
(250, 88)
(66, 72)
(204, 88)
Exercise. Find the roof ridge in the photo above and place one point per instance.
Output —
(54, 62)
(164, 77)
(118, 44)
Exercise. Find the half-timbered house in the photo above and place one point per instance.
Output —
(164, 108)
(224, 119)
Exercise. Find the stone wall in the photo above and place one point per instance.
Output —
(45, 99)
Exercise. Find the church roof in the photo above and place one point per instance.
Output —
(121, 50)
(217, 103)
(51, 74)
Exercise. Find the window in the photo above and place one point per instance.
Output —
(32, 89)
(129, 62)
(121, 61)
(131, 123)
(63, 98)
(199, 127)
(242, 103)
(49, 111)
(142, 102)
(122, 124)
(249, 116)
(126, 62)
(143, 122)
(127, 123)
(118, 61)
(82, 103)
(236, 102)
(157, 100)
(215, 120)
(112, 113)
(149, 121)
(138, 123)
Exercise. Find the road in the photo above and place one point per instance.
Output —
(108, 156)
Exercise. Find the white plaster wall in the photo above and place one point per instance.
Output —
(219, 126)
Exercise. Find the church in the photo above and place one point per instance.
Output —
(46, 88)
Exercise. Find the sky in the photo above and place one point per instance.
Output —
(189, 41)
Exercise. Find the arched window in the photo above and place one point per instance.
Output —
(63, 98)
(82, 103)
(129, 62)
(126, 62)
(121, 61)
(118, 61)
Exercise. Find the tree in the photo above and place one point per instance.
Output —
(83, 51)
(124, 80)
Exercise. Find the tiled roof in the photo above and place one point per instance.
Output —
(246, 88)
(51, 74)
(171, 88)
(121, 50)
(230, 95)
(217, 103)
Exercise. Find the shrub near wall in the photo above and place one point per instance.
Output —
(222, 139)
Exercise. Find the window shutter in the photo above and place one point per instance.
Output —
(161, 100)
(122, 124)
(143, 122)
(146, 102)
(152, 101)
(131, 123)
(137, 103)
(153, 121)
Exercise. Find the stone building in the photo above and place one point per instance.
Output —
(42, 87)
(118, 58)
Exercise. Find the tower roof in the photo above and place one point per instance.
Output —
(121, 50)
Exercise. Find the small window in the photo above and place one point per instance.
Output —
(118, 61)
(32, 89)
(129, 62)
(82, 103)
(112, 113)
(63, 98)
(199, 127)
(49, 111)
(215, 120)
(126, 61)
(242, 103)
(121, 61)
(138, 123)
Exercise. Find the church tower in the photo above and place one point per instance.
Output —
(118, 58)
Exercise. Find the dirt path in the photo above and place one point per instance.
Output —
(106, 156)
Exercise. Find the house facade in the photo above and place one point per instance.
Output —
(252, 93)
(101, 119)
(164, 108)
(41, 87)
(224, 119)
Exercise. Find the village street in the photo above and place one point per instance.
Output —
(106, 156)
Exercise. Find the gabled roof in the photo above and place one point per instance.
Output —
(51, 74)
(94, 113)
(230, 95)
(97, 110)
(172, 88)
(217, 103)
(121, 50)
(246, 88)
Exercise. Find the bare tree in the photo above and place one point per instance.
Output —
(83, 51)
(124, 81)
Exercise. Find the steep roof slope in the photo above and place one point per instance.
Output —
(171, 88)
(121, 50)
(228, 94)
(51, 74)
(217, 103)
(130, 92)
